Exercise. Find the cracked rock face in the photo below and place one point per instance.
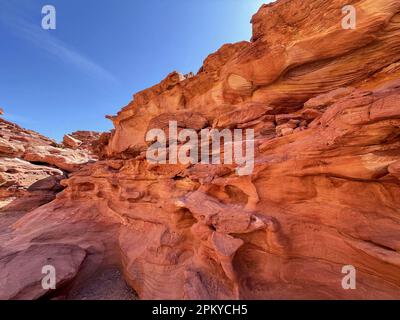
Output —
(324, 105)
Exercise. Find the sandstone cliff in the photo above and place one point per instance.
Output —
(324, 104)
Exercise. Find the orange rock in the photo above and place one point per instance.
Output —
(324, 192)
(85, 139)
(71, 142)
(65, 159)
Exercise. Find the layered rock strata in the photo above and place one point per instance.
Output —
(324, 105)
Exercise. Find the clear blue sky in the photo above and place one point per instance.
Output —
(102, 52)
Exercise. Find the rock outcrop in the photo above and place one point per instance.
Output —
(324, 104)
(31, 169)
(83, 140)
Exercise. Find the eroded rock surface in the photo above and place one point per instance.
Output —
(324, 104)
(31, 169)
(83, 140)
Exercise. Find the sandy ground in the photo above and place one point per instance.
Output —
(106, 284)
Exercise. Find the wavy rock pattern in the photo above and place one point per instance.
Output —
(324, 103)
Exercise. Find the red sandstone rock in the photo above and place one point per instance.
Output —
(81, 140)
(25, 185)
(65, 258)
(18, 138)
(65, 159)
(20, 173)
(323, 194)
(71, 142)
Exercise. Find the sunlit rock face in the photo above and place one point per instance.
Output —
(31, 170)
(83, 140)
(324, 194)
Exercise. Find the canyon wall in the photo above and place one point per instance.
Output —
(324, 104)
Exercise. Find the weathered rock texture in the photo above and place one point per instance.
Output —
(83, 140)
(324, 103)
(31, 168)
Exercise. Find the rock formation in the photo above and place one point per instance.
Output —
(324, 104)
(81, 140)
(31, 169)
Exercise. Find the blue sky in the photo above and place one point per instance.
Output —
(102, 52)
